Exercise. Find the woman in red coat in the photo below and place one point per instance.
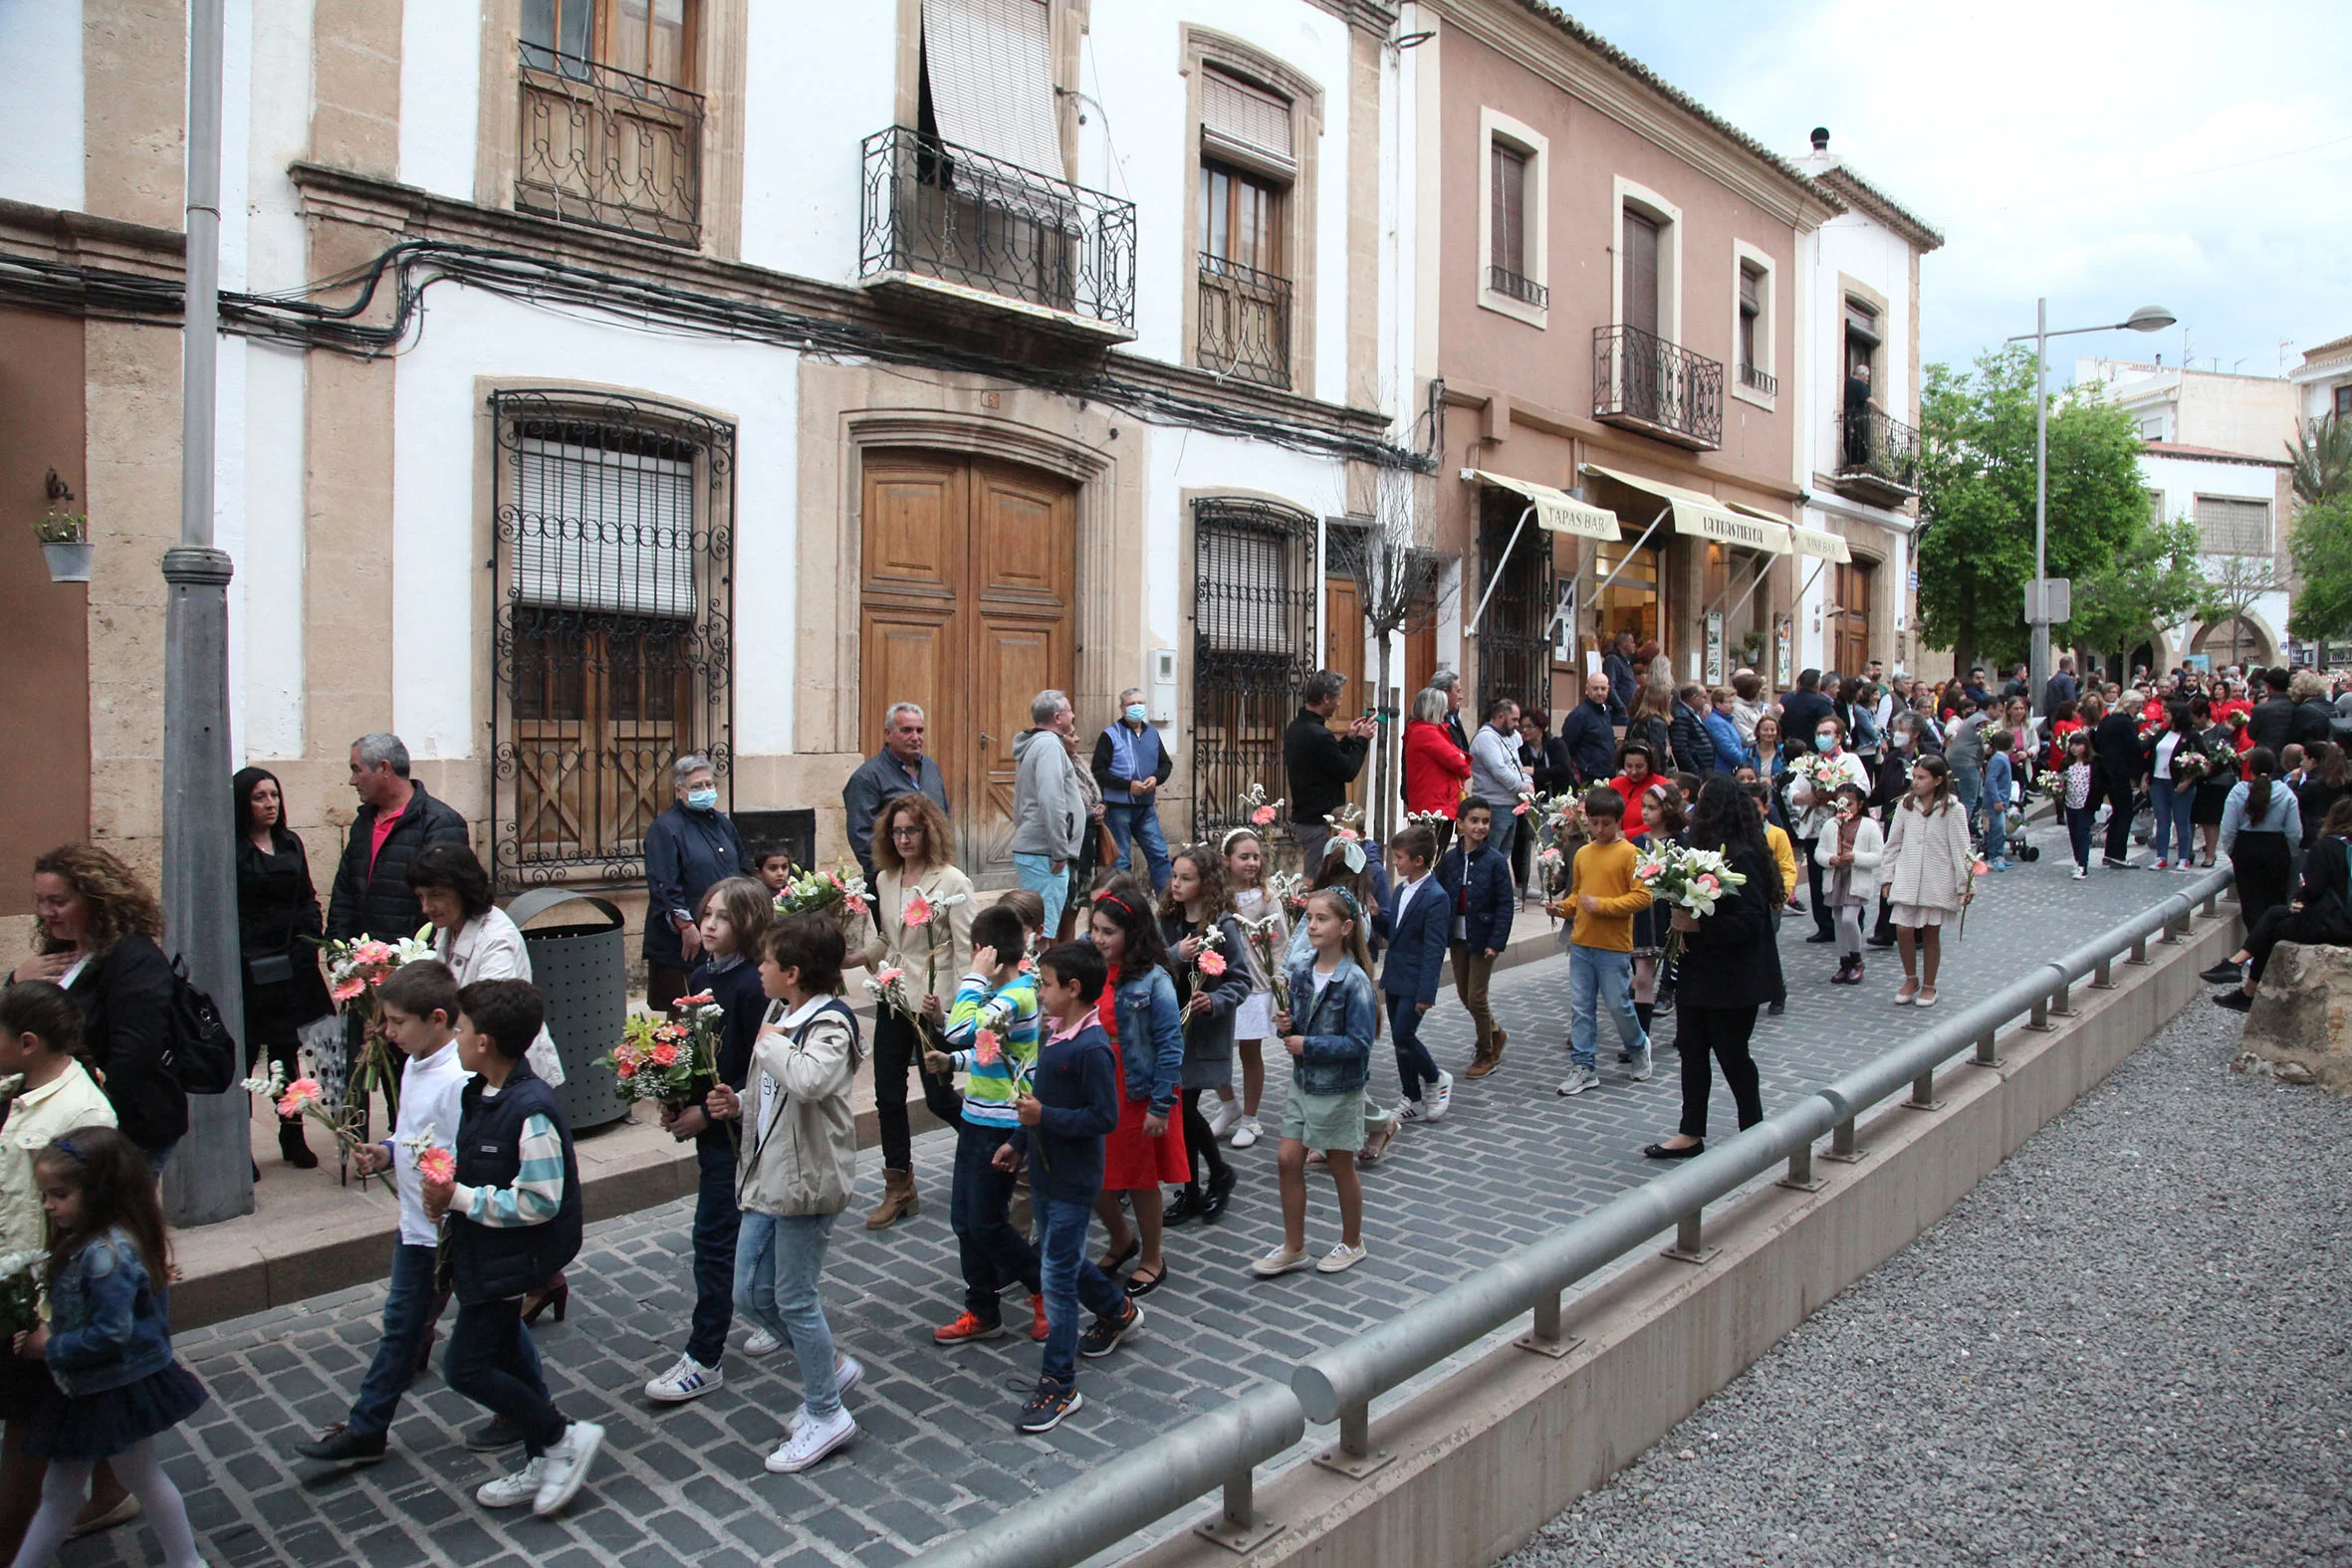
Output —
(1435, 767)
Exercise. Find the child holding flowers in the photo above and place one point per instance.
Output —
(1927, 873)
(1328, 1031)
(108, 1344)
(800, 1160)
(1254, 905)
(1138, 1012)
(994, 1033)
(732, 921)
(40, 1046)
(417, 1005)
(1849, 850)
(1212, 982)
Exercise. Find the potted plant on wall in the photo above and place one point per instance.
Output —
(65, 541)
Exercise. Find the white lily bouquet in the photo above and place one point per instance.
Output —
(1692, 879)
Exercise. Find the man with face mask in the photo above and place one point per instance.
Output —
(688, 848)
(1130, 765)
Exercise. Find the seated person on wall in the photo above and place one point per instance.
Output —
(2320, 916)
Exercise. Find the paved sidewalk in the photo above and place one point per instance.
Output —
(936, 1450)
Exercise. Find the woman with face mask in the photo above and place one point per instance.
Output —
(687, 848)
(1813, 796)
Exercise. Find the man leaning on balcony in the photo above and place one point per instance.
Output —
(901, 767)
(1858, 407)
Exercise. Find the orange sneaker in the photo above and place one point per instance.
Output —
(1037, 1323)
(966, 1331)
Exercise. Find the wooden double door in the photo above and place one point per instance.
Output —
(1849, 617)
(967, 593)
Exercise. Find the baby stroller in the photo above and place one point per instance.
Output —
(2020, 847)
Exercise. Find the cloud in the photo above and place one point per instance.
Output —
(2104, 153)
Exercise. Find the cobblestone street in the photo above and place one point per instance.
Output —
(936, 1450)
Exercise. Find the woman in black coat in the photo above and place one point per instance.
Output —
(279, 927)
(99, 925)
(1734, 964)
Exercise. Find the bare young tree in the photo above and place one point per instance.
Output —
(2231, 584)
(1396, 580)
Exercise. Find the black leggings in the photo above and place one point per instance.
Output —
(2281, 924)
(1721, 1032)
(897, 1049)
(1824, 920)
(2263, 869)
(1200, 1149)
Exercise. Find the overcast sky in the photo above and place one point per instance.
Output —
(2097, 151)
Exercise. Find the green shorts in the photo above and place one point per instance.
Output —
(1325, 1121)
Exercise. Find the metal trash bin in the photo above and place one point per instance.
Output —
(582, 973)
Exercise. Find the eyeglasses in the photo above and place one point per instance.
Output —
(903, 831)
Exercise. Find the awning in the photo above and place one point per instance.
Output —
(1555, 510)
(1820, 545)
(1707, 518)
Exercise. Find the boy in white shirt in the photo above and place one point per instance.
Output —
(420, 1010)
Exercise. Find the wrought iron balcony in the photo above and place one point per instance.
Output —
(1512, 286)
(1245, 323)
(932, 210)
(1757, 381)
(1640, 381)
(602, 147)
(1877, 457)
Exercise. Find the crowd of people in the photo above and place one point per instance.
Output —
(1094, 1015)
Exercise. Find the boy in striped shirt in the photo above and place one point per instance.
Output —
(994, 1032)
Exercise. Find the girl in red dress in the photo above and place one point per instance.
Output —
(1138, 1012)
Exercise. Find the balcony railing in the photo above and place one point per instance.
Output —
(1245, 323)
(602, 147)
(1876, 452)
(1757, 381)
(1643, 382)
(933, 209)
(1512, 286)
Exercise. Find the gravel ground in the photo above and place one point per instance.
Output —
(2130, 1344)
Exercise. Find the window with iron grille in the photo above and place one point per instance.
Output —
(610, 126)
(1515, 638)
(610, 659)
(1510, 250)
(1253, 646)
(1247, 167)
(2231, 526)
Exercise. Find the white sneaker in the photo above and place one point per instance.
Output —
(1340, 1259)
(689, 1378)
(568, 1466)
(847, 1372)
(1224, 1116)
(1282, 1260)
(762, 1343)
(1441, 1097)
(810, 1442)
(2080, 872)
(512, 1491)
(1408, 1111)
(1579, 1079)
(1641, 1066)
(1247, 1132)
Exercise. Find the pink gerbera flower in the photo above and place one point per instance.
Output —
(987, 1049)
(918, 910)
(300, 1095)
(437, 1165)
(665, 1054)
(1262, 816)
(347, 990)
(1212, 963)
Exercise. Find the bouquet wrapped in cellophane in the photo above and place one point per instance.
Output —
(1692, 879)
(673, 1061)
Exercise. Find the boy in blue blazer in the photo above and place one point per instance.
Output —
(1478, 899)
(1416, 920)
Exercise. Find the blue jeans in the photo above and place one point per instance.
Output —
(1071, 1280)
(491, 1361)
(1597, 976)
(777, 1262)
(715, 1221)
(994, 1254)
(1414, 1066)
(1969, 784)
(2172, 817)
(2079, 820)
(1138, 824)
(1037, 873)
(1997, 831)
(407, 1314)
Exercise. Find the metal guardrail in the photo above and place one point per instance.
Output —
(1223, 1448)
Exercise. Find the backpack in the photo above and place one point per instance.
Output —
(201, 1057)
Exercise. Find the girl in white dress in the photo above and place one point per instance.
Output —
(1245, 872)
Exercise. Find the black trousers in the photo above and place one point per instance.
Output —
(2263, 869)
(2303, 927)
(2119, 817)
(1722, 1033)
(1824, 920)
(1200, 1148)
(897, 1049)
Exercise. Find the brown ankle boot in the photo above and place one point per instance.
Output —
(898, 1200)
(1482, 1062)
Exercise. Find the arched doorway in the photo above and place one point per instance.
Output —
(2237, 640)
(966, 602)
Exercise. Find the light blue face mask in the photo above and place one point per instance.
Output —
(1825, 743)
(702, 799)
(1136, 713)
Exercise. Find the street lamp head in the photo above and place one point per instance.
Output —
(2150, 318)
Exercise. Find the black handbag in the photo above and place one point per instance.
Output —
(269, 969)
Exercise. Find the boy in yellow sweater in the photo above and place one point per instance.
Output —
(1603, 900)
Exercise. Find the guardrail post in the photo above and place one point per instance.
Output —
(1545, 1337)
(1843, 1147)
(2062, 1000)
(2103, 978)
(1923, 1093)
(1356, 1457)
(2038, 1019)
(1690, 1245)
(2139, 952)
(1800, 1174)
(2212, 907)
(1238, 1528)
(1988, 1051)
(2176, 930)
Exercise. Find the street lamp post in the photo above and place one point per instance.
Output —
(2147, 318)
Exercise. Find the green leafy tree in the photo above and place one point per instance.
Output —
(2153, 579)
(2321, 548)
(1976, 551)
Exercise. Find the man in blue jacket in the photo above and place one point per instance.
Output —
(1588, 734)
(1479, 896)
(1416, 925)
(1129, 765)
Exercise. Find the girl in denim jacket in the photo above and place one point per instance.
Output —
(1138, 1012)
(108, 1342)
(1327, 1024)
